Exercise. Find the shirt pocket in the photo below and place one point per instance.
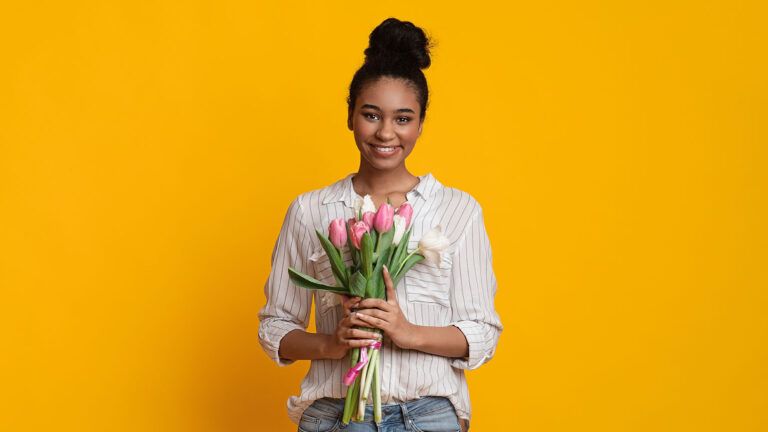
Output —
(426, 282)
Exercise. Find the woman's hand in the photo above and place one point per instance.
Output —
(345, 336)
(387, 316)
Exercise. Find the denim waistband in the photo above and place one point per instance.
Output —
(331, 409)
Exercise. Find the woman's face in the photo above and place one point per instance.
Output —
(386, 123)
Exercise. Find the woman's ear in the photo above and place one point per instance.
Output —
(349, 120)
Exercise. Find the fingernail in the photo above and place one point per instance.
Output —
(385, 268)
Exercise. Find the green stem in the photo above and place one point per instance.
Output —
(363, 377)
(400, 267)
(351, 401)
(369, 376)
(351, 396)
(360, 406)
(376, 393)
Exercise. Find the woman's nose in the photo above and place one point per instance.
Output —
(385, 132)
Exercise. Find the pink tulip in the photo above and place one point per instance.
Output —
(358, 229)
(368, 218)
(383, 220)
(337, 231)
(405, 210)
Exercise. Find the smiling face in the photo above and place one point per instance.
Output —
(386, 123)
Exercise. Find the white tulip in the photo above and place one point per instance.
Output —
(432, 244)
(358, 205)
(399, 223)
(368, 205)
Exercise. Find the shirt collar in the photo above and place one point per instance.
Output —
(343, 190)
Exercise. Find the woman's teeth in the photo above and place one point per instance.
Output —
(385, 149)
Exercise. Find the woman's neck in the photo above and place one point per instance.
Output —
(381, 185)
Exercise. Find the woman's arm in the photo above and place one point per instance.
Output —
(302, 345)
(446, 341)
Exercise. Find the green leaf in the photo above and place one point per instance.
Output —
(337, 264)
(400, 252)
(305, 281)
(385, 241)
(415, 258)
(376, 287)
(366, 254)
(357, 285)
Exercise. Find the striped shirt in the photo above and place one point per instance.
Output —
(459, 292)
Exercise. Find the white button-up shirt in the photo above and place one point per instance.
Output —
(459, 292)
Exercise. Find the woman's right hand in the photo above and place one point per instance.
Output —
(346, 336)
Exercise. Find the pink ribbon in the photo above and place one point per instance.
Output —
(355, 370)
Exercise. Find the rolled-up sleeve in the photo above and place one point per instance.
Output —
(287, 306)
(473, 288)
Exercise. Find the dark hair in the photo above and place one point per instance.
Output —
(396, 49)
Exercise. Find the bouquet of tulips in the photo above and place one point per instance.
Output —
(374, 238)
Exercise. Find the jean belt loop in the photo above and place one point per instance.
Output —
(407, 421)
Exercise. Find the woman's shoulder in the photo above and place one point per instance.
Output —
(322, 194)
(452, 197)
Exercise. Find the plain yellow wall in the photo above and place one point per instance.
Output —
(149, 150)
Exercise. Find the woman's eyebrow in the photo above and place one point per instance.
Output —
(408, 110)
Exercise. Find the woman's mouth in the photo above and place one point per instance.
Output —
(385, 151)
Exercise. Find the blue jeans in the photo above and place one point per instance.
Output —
(428, 414)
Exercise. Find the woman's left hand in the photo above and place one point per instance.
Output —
(387, 316)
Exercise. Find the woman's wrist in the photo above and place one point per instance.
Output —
(330, 349)
(414, 339)
(447, 341)
(303, 345)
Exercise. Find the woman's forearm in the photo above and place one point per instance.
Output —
(301, 345)
(446, 341)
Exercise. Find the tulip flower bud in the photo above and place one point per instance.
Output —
(368, 218)
(399, 223)
(432, 244)
(358, 205)
(368, 205)
(358, 229)
(405, 210)
(337, 231)
(383, 220)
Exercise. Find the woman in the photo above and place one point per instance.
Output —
(440, 319)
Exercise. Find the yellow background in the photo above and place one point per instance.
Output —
(149, 150)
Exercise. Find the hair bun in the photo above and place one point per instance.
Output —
(398, 43)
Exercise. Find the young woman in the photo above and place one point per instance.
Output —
(440, 319)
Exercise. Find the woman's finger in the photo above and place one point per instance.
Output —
(390, 287)
(371, 303)
(349, 303)
(372, 321)
(359, 343)
(354, 333)
(376, 313)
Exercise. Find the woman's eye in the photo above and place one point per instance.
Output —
(404, 119)
(369, 115)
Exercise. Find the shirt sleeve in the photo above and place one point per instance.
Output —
(473, 287)
(287, 305)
